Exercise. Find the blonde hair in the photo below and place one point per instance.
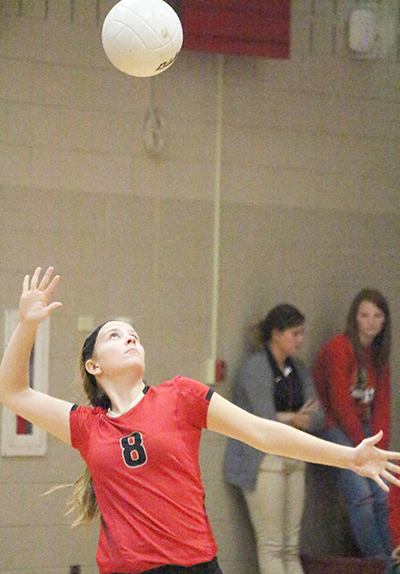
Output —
(83, 500)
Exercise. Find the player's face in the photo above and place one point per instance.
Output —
(290, 340)
(370, 321)
(117, 348)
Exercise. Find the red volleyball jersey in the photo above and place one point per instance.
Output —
(146, 475)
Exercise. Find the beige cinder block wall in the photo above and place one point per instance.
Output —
(309, 213)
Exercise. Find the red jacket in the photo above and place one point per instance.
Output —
(394, 514)
(335, 372)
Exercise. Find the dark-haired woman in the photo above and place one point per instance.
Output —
(351, 374)
(275, 385)
(141, 444)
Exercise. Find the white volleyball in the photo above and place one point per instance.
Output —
(142, 37)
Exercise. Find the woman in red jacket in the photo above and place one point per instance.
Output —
(351, 375)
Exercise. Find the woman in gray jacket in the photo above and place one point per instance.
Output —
(274, 384)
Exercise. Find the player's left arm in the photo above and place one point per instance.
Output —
(276, 438)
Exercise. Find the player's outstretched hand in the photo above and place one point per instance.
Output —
(34, 304)
(368, 460)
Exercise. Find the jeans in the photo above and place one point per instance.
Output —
(393, 567)
(367, 504)
(275, 509)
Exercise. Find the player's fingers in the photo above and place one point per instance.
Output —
(35, 278)
(53, 306)
(380, 483)
(372, 440)
(390, 477)
(25, 284)
(393, 467)
(391, 454)
(46, 279)
(53, 285)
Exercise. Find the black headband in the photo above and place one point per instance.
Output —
(88, 345)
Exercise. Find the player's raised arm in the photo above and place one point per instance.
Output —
(15, 393)
(276, 438)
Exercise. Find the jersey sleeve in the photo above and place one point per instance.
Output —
(81, 419)
(194, 399)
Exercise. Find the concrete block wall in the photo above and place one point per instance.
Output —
(309, 213)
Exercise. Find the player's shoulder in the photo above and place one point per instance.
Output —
(183, 385)
(83, 419)
(86, 412)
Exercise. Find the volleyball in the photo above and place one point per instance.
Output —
(142, 37)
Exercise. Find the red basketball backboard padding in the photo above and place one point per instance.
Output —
(241, 27)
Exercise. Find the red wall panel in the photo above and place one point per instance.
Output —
(242, 27)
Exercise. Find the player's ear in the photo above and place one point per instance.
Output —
(92, 367)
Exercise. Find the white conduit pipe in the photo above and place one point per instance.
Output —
(217, 224)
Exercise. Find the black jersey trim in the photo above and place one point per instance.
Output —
(209, 394)
(146, 388)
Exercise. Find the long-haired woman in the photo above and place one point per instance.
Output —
(352, 376)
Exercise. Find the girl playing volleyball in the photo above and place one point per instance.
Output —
(141, 444)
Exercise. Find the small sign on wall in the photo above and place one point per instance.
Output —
(19, 437)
